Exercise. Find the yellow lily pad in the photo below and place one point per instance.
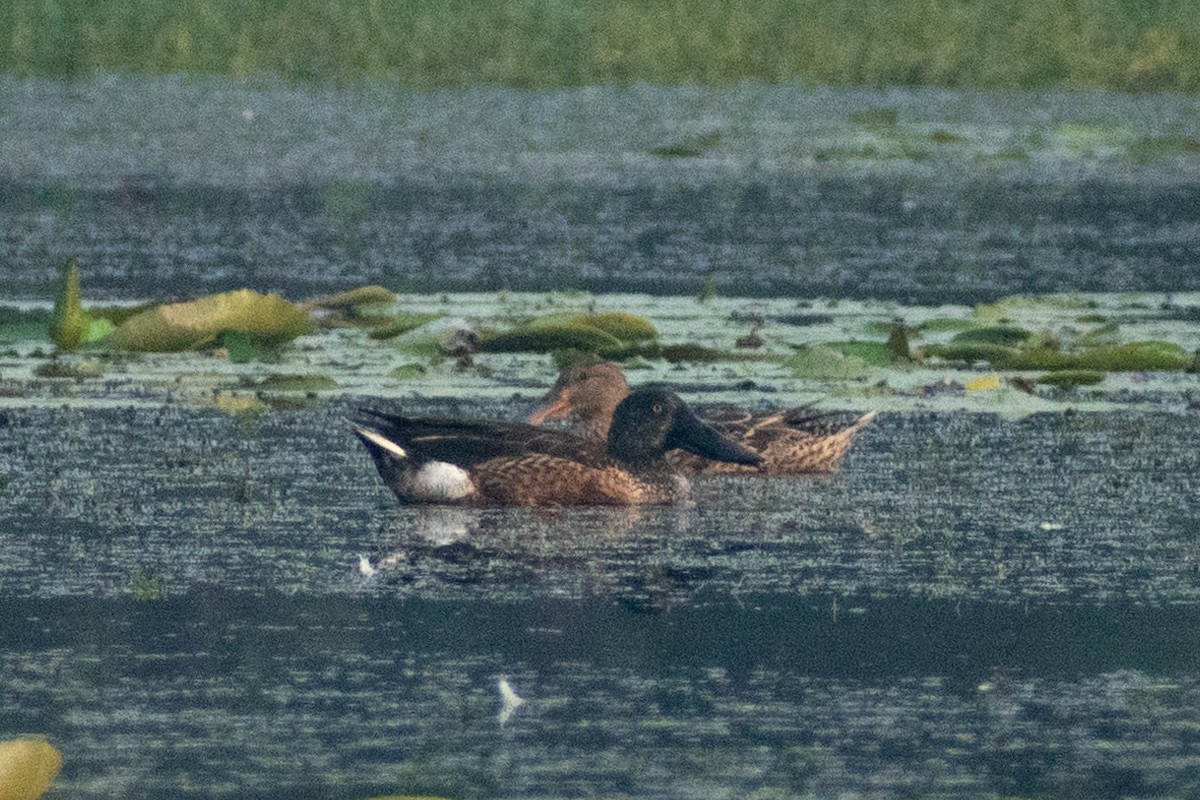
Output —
(267, 319)
(984, 383)
(362, 296)
(27, 768)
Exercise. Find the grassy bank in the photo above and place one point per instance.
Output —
(1119, 44)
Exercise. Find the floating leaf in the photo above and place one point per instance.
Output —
(1070, 378)
(238, 404)
(403, 322)
(984, 383)
(877, 354)
(293, 383)
(817, 361)
(994, 354)
(620, 324)
(406, 372)
(68, 322)
(1003, 335)
(545, 338)
(27, 768)
(1134, 357)
(268, 320)
(355, 298)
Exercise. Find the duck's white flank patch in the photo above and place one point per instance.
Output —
(442, 481)
(385, 443)
(510, 701)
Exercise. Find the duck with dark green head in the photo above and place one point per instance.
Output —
(511, 464)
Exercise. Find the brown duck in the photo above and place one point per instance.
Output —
(500, 463)
(797, 441)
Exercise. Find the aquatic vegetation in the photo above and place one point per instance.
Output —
(1133, 357)
(63, 369)
(984, 383)
(280, 382)
(1071, 378)
(267, 321)
(27, 768)
(402, 322)
(599, 332)
(68, 322)
(819, 361)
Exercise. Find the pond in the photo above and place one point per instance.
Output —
(996, 595)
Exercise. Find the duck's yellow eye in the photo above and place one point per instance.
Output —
(658, 408)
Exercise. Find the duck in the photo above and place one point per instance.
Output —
(796, 441)
(497, 463)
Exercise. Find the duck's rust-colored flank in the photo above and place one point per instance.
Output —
(501, 463)
(798, 441)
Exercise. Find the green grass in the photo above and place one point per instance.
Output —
(1120, 44)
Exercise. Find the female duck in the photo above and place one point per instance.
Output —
(797, 441)
(498, 463)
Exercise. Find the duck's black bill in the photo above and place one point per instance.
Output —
(689, 433)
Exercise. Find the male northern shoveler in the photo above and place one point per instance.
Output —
(502, 463)
(797, 441)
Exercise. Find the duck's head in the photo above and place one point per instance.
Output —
(651, 421)
(589, 391)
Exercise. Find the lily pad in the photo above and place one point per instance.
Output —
(1070, 378)
(293, 383)
(874, 353)
(1003, 335)
(993, 354)
(819, 361)
(268, 320)
(355, 298)
(27, 768)
(1148, 356)
(402, 322)
(545, 338)
(984, 383)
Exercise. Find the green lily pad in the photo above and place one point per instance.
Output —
(993, 354)
(267, 320)
(819, 361)
(406, 372)
(294, 383)
(1070, 378)
(402, 322)
(940, 324)
(1134, 357)
(876, 354)
(1003, 335)
(548, 337)
(355, 298)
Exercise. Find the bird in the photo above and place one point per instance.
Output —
(495, 463)
(796, 441)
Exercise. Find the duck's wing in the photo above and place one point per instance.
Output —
(470, 442)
